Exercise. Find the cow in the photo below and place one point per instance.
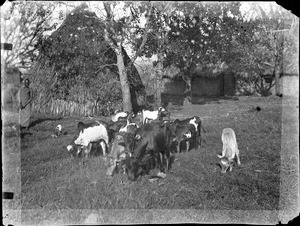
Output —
(152, 115)
(58, 131)
(230, 150)
(123, 144)
(88, 133)
(119, 116)
(136, 118)
(114, 127)
(130, 127)
(185, 133)
(196, 121)
(152, 140)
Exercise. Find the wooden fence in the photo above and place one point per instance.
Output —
(66, 108)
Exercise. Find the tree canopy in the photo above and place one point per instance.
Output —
(78, 64)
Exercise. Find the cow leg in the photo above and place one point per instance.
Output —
(178, 147)
(168, 158)
(187, 145)
(103, 147)
(88, 149)
(164, 162)
(160, 161)
(238, 158)
(230, 167)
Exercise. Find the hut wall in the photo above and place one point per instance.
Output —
(228, 84)
(174, 87)
(207, 86)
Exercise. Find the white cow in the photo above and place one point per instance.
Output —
(152, 115)
(230, 150)
(88, 133)
(117, 115)
(130, 127)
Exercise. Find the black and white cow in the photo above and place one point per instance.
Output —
(86, 135)
(152, 140)
(185, 134)
(196, 122)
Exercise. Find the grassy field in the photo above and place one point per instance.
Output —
(52, 180)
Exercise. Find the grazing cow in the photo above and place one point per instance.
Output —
(152, 140)
(58, 131)
(96, 148)
(136, 118)
(230, 150)
(119, 116)
(88, 133)
(130, 127)
(185, 133)
(196, 121)
(152, 115)
(122, 145)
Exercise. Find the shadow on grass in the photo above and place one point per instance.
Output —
(176, 102)
(23, 133)
(40, 120)
(206, 100)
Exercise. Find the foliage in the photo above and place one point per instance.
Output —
(268, 52)
(77, 63)
(116, 31)
(22, 25)
(194, 37)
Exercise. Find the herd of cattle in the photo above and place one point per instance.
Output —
(136, 143)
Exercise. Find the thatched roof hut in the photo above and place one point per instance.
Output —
(210, 80)
(76, 64)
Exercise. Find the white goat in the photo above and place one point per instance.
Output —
(116, 116)
(230, 150)
(152, 115)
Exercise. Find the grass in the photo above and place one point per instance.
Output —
(52, 180)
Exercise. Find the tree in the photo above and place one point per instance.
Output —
(76, 64)
(23, 24)
(157, 42)
(201, 37)
(273, 43)
(116, 32)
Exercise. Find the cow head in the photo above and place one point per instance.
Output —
(74, 150)
(133, 168)
(59, 128)
(134, 165)
(118, 153)
(225, 163)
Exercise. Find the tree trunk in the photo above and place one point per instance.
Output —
(159, 74)
(127, 105)
(188, 85)
(277, 83)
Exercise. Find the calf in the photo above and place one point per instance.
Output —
(185, 133)
(130, 127)
(152, 115)
(88, 133)
(230, 150)
(122, 145)
(196, 122)
(152, 140)
(136, 118)
(119, 116)
(58, 131)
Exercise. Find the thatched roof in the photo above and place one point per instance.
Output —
(78, 38)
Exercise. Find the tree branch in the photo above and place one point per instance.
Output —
(145, 36)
